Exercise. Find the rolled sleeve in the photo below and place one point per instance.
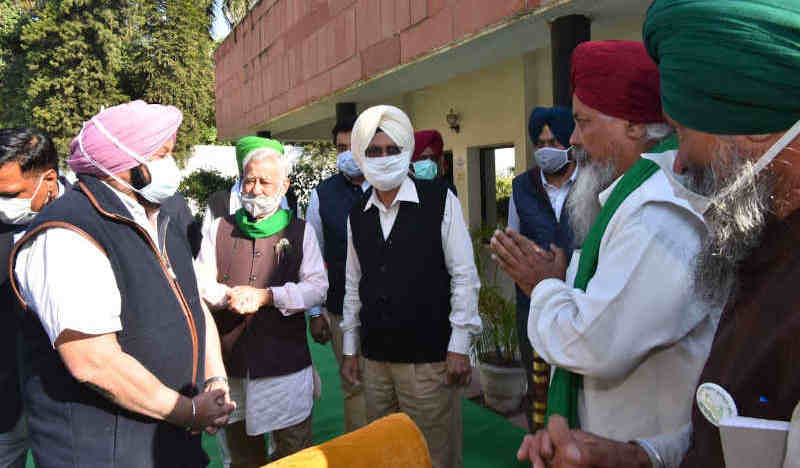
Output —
(352, 301)
(45, 269)
(465, 283)
(310, 291)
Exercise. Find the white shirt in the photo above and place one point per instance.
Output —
(638, 335)
(88, 302)
(557, 196)
(314, 218)
(459, 259)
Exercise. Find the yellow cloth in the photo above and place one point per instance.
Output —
(390, 442)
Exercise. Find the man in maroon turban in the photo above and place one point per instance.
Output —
(622, 324)
(428, 162)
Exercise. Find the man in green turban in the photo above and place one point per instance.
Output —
(729, 73)
(259, 270)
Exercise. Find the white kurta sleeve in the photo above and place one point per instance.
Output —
(513, 216)
(639, 299)
(352, 301)
(314, 218)
(88, 302)
(668, 450)
(205, 267)
(464, 282)
(310, 291)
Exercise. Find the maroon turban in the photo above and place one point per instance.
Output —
(424, 139)
(619, 79)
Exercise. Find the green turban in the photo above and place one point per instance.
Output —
(727, 66)
(249, 143)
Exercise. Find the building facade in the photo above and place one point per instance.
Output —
(285, 68)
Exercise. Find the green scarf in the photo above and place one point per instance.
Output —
(562, 397)
(264, 228)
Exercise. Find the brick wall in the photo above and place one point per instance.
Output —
(287, 53)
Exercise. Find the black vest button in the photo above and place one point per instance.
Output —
(384, 269)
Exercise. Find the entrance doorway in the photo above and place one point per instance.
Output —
(496, 174)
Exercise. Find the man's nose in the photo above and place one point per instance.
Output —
(575, 139)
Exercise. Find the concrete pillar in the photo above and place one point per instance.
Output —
(565, 34)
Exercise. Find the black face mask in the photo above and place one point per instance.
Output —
(139, 179)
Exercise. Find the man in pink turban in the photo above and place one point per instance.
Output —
(117, 332)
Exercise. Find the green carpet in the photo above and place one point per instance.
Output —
(489, 440)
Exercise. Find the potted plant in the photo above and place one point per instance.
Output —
(497, 349)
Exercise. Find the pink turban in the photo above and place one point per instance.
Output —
(111, 136)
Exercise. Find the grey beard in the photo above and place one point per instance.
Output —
(582, 204)
(735, 219)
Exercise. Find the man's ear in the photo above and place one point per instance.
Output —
(635, 131)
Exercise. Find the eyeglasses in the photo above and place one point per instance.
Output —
(378, 151)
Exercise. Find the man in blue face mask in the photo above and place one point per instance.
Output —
(329, 204)
(428, 162)
(28, 181)
(536, 211)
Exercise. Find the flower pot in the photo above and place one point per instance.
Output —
(503, 387)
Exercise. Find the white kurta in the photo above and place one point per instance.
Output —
(638, 335)
(270, 403)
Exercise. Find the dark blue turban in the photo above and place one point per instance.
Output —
(559, 119)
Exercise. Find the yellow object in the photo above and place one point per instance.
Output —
(390, 442)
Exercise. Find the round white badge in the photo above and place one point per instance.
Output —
(715, 403)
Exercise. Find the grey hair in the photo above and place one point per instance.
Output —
(261, 154)
(657, 131)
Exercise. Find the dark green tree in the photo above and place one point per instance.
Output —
(73, 54)
(171, 64)
(14, 101)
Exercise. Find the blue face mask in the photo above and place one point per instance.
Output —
(347, 165)
(425, 169)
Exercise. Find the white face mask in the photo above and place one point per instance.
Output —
(260, 206)
(18, 210)
(164, 180)
(165, 177)
(387, 172)
(702, 203)
(550, 160)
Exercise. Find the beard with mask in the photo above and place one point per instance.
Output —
(582, 203)
(735, 219)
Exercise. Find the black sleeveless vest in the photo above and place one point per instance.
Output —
(163, 328)
(405, 285)
(337, 196)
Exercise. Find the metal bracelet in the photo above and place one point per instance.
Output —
(652, 453)
(216, 378)
(194, 417)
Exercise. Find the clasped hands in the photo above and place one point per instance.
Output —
(246, 300)
(526, 262)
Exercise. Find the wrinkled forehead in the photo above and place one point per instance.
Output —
(265, 167)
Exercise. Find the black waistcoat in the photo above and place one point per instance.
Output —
(11, 409)
(163, 328)
(405, 285)
(337, 196)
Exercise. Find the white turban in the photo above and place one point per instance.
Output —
(394, 122)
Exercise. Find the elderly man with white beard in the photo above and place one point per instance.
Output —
(411, 289)
(621, 324)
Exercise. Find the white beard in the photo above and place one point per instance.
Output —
(582, 204)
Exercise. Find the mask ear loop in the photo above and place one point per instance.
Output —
(94, 163)
(779, 146)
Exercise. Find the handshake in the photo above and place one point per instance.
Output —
(212, 408)
(247, 300)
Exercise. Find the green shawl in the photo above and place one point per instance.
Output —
(562, 397)
(263, 228)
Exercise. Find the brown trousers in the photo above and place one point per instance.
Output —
(251, 452)
(355, 408)
(419, 391)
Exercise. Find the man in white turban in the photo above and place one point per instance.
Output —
(411, 289)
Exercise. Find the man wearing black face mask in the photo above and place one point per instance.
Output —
(536, 211)
(28, 181)
(113, 323)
